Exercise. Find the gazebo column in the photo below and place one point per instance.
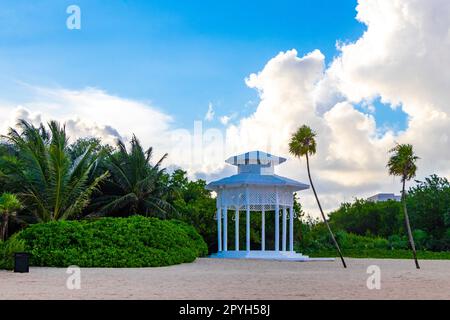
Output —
(263, 230)
(291, 228)
(283, 245)
(247, 221)
(277, 223)
(219, 229)
(225, 229)
(236, 232)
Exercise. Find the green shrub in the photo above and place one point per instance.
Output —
(420, 238)
(113, 242)
(319, 239)
(7, 250)
(353, 241)
(398, 242)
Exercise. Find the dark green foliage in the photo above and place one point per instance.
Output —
(428, 205)
(79, 147)
(134, 185)
(369, 218)
(193, 204)
(398, 242)
(7, 250)
(113, 242)
(429, 209)
(318, 239)
(48, 182)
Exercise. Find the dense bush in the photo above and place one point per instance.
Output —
(7, 250)
(428, 206)
(318, 239)
(369, 218)
(429, 210)
(113, 242)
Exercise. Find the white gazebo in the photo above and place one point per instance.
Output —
(256, 189)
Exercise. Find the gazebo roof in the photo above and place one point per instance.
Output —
(256, 180)
(255, 157)
(256, 169)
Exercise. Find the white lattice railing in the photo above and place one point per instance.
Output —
(258, 198)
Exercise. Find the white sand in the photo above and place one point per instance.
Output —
(238, 279)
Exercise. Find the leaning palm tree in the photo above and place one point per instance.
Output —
(303, 143)
(403, 163)
(9, 204)
(50, 184)
(135, 186)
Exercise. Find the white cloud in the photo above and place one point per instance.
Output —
(92, 112)
(401, 58)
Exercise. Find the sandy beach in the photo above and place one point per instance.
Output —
(238, 279)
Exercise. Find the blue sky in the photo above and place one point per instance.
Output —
(180, 55)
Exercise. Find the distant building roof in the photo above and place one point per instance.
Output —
(380, 197)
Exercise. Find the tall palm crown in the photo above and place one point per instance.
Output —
(51, 185)
(403, 162)
(135, 186)
(303, 142)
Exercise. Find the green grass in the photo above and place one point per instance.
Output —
(381, 254)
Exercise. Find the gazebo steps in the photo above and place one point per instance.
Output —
(266, 255)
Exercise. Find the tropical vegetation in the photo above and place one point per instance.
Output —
(92, 204)
(9, 204)
(134, 185)
(136, 241)
(378, 229)
(51, 185)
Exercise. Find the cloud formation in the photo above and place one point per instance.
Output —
(402, 58)
(92, 112)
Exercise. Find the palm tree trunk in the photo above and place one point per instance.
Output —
(408, 226)
(4, 228)
(323, 215)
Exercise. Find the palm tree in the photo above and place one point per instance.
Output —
(50, 184)
(9, 204)
(134, 186)
(403, 163)
(303, 143)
